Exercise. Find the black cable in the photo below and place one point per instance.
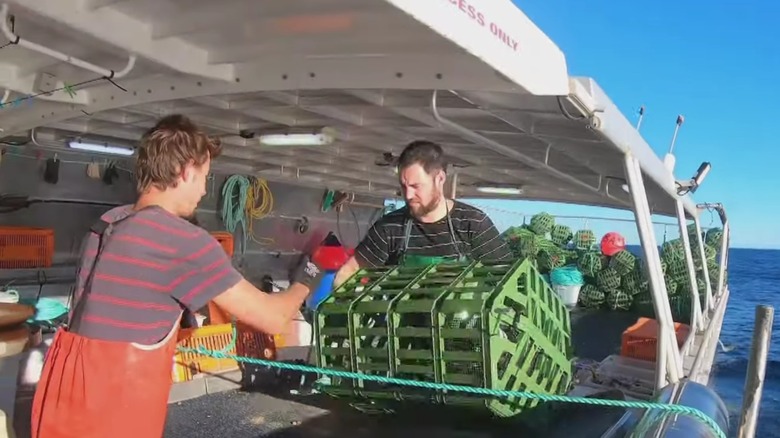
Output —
(11, 203)
(12, 22)
(11, 143)
(357, 224)
(67, 88)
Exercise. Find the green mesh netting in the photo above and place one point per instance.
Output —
(633, 283)
(608, 279)
(710, 252)
(702, 284)
(642, 304)
(572, 256)
(681, 308)
(591, 296)
(684, 287)
(623, 262)
(672, 251)
(692, 232)
(618, 300)
(590, 263)
(543, 243)
(619, 282)
(584, 239)
(528, 246)
(714, 237)
(671, 286)
(678, 269)
(542, 223)
(550, 258)
(561, 235)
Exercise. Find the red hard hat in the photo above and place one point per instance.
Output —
(612, 243)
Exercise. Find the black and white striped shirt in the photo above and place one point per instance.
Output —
(477, 237)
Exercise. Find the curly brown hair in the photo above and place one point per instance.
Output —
(166, 148)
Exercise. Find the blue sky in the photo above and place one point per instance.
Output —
(717, 65)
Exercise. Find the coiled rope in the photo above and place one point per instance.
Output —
(669, 408)
(240, 195)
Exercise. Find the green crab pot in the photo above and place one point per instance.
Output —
(496, 326)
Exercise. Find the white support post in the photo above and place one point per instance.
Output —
(668, 367)
(724, 256)
(696, 314)
(709, 303)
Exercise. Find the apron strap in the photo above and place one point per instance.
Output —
(407, 235)
(103, 230)
(408, 232)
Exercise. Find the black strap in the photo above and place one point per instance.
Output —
(103, 230)
(408, 232)
(407, 235)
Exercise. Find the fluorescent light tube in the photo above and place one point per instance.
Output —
(101, 148)
(298, 139)
(500, 190)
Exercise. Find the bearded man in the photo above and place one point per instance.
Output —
(430, 228)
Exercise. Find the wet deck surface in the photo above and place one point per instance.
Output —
(239, 414)
(270, 411)
(250, 414)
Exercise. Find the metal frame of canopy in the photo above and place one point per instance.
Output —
(479, 77)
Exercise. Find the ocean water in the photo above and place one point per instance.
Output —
(754, 279)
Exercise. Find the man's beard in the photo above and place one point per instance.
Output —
(420, 210)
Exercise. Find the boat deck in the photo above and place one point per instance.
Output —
(269, 410)
(245, 414)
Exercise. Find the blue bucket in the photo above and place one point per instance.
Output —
(322, 291)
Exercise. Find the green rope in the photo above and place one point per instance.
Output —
(234, 195)
(678, 409)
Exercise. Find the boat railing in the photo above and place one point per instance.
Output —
(704, 311)
(669, 358)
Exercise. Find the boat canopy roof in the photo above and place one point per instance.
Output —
(477, 76)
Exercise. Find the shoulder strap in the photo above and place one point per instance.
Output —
(407, 235)
(103, 230)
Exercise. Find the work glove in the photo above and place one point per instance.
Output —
(306, 273)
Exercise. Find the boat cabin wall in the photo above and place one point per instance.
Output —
(22, 173)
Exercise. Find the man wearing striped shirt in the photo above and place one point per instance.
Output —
(144, 265)
(430, 228)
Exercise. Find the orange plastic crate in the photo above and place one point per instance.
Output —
(226, 240)
(216, 337)
(216, 314)
(26, 247)
(640, 340)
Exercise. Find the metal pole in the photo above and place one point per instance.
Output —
(709, 302)
(641, 116)
(754, 381)
(666, 369)
(680, 120)
(724, 256)
(696, 316)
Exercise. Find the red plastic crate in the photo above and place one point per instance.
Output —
(640, 340)
(26, 247)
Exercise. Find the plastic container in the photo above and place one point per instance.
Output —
(248, 343)
(568, 294)
(225, 240)
(567, 282)
(25, 247)
(639, 341)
